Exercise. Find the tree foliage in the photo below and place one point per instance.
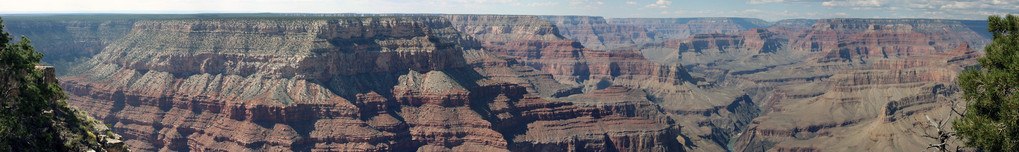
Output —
(991, 120)
(31, 109)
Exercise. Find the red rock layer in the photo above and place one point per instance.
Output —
(842, 40)
(875, 105)
(346, 84)
(718, 48)
(531, 43)
(535, 42)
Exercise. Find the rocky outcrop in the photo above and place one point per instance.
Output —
(36, 116)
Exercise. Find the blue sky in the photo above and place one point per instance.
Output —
(765, 9)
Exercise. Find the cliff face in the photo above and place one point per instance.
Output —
(687, 100)
(844, 39)
(866, 83)
(406, 82)
(680, 28)
(877, 107)
(536, 43)
(850, 84)
(532, 41)
(348, 84)
(795, 24)
(595, 33)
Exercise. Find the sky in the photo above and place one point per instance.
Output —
(771, 10)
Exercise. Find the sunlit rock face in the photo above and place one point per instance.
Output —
(336, 84)
(687, 100)
(406, 82)
(841, 84)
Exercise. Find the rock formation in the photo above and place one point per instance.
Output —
(41, 120)
(339, 83)
(879, 107)
(688, 100)
(680, 28)
(428, 82)
(595, 33)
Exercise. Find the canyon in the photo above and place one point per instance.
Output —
(462, 82)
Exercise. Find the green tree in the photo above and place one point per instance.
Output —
(25, 99)
(991, 120)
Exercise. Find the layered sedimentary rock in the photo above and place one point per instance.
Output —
(795, 24)
(332, 84)
(235, 73)
(717, 55)
(881, 107)
(855, 37)
(687, 99)
(872, 86)
(535, 42)
(595, 33)
(680, 28)
(532, 41)
(842, 84)
(431, 82)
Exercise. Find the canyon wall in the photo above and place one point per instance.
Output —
(697, 107)
(434, 82)
(842, 84)
(336, 84)
(680, 28)
(68, 39)
(596, 33)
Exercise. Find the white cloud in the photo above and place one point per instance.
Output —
(965, 5)
(852, 3)
(949, 9)
(484, 1)
(659, 4)
(752, 11)
(543, 4)
(694, 13)
(585, 4)
(764, 1)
